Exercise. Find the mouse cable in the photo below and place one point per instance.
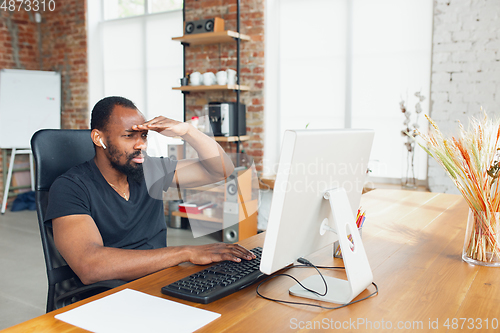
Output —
(306, 263)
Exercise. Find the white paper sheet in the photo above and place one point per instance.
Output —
(133, 311)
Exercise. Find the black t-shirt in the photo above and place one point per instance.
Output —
(134, 224)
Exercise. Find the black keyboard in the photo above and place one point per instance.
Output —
(217, 281)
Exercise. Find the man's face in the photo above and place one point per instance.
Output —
(126, 146)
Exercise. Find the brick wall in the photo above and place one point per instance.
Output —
(18, 40)
(217, 57)
(465, 69)
(65, 50)
(58, 43)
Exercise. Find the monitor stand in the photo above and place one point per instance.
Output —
(357, 267)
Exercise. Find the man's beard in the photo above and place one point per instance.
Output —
(135, 173)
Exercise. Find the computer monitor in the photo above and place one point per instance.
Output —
(312, 162)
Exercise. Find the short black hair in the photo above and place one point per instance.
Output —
(103, 109)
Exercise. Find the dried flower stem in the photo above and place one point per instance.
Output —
(472, 163)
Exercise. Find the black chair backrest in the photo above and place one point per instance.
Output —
(55, 152)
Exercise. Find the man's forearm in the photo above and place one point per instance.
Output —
(210, 153)
(106, 263)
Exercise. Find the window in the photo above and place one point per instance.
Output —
(391, 60)
(114, 9)
(135, 57)
(347, 63)
(157, 6)
(123, 8)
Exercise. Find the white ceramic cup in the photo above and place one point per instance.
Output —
(195, 79)
(221, 78)
(231, 76)
(208, 78)
(209, 212)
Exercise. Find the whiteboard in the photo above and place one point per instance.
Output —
(29, 101)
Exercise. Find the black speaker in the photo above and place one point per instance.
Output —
(230, 224)
(215, 24)
(232, 188)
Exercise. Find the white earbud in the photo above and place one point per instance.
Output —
(102, 143)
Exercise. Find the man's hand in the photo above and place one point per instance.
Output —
(206, 254)
(165, 126)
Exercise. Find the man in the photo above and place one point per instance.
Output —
(105, 223)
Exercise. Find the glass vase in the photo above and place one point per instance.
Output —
(481, 244)
(408, 178)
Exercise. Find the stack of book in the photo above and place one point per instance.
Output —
(194, 207)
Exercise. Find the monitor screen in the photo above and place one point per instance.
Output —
(312, 162)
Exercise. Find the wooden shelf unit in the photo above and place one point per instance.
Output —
(212, 38)
(208, 188)
(219, 37)
(247, 223)
(200, 217)
(250, 221)
(213, 88)
(232, 138)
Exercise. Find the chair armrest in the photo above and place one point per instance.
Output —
(85, 291)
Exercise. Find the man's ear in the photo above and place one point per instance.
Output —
(97, 136)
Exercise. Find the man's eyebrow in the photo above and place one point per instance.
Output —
(134, 131)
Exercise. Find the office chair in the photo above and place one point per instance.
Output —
(55, 152)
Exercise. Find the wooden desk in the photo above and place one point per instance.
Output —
(414, 243)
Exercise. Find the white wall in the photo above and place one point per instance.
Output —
(465, 69)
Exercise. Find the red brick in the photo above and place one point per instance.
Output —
(257, 145)
(257, 38)
(256, 153)
(232, 8)
(259, 14)
(253, 108)
(258, 70)
(256, 101)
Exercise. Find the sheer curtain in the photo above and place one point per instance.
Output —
(391, 60)
(312, 63)
(305, 69)
(347, 63)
